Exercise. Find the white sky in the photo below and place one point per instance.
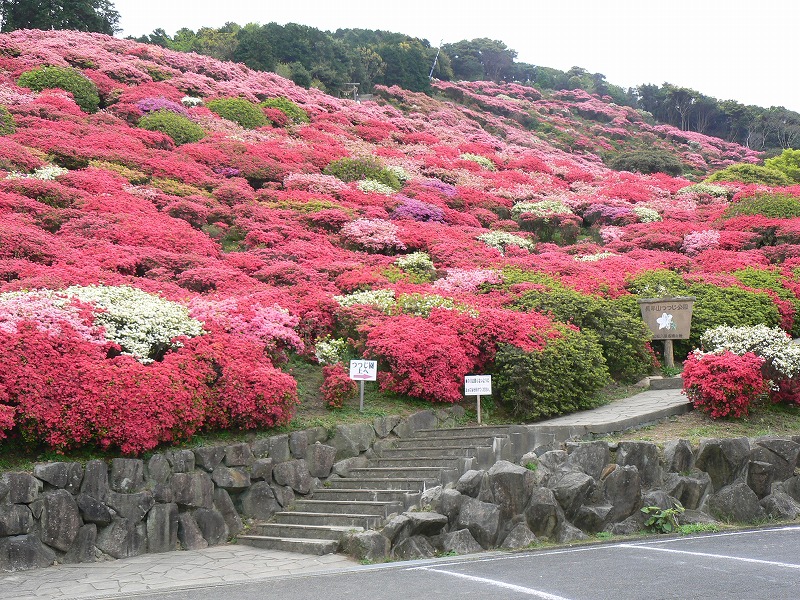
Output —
(730, 49)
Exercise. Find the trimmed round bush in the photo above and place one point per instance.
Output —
(240, 111)
(622, 336)
(7, 123)
(647, 162)
(179, 128)
(747, 173)
(776, 206)
(563, 377)
(64, 78)
(287, 107)
(356, 169)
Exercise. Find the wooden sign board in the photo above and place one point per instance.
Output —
(668, 318)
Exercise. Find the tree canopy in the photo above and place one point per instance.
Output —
(98, 16)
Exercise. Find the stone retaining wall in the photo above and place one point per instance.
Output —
(590, 487)
(68, 512)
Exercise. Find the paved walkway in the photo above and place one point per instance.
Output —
(184, 570)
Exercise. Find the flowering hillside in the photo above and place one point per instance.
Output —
(173, 226)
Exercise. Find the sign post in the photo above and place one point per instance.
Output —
(478, 385)
(361, 371)
(669, 319)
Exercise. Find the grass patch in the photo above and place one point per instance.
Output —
(764, 419)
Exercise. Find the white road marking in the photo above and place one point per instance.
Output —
(500, 584)
(709, 555)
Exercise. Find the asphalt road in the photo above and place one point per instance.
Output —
(746, 565)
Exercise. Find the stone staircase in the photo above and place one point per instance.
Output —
(392, 482)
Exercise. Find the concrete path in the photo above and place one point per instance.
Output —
(638, 410)
(218, 565)
(174, 571)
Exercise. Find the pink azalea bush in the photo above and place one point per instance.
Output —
(247, 233)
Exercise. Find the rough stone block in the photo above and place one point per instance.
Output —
(60, 520)
(22, 488)
(293, 473)
(92, 510)
(234, 479)
(127, 475)
(319, 459)
(95, 480)
(182, 461)
(208, 457)
(15, 519)
(23, 552)
(64, 475)
(189, 534)
(132, 507)
(162, 528)
(194, 490)
(122, 539)
(259, 502)
(238, 455)
(212, 525)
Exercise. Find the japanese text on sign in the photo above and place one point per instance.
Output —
(363, 370)
(477, 385)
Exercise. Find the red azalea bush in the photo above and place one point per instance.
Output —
(724, 384)
(337, 386)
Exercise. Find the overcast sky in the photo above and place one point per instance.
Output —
(729, 49)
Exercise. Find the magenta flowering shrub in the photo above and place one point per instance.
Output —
(148, 105)
(373, 235)
(244, 228)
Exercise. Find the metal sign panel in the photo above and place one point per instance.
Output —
(477, 385)
(364, 370)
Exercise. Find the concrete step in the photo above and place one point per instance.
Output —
(454, 462)
(479, 431)
(423, 451)
(437, 474)
(296, 530)
(300, 545)
(321, 518)
(368, 495)
(377, 483)
(450, 441)
(381, 509)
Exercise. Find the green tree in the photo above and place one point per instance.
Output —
(480, 59)
(98, 16)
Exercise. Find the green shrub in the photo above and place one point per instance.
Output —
(287, 107)
(68, 79)
(657, 284)
(777, 206)
(646, 161)
(562, 378)
(747, 173)
(622, 336)
(7, 123)
(356, 169)
(179, 128)
(788, 163)
(240, 111)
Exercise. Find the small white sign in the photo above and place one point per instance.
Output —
(477, 385)
(364, 370)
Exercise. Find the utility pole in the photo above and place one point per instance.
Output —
(435, 60)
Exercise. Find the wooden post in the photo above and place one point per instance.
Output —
(669, 359)
(479, 410)
(361, 395)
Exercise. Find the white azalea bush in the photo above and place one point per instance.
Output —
(646, 215)
(45, 173)
(144, 325)
(383, 300)
(781, 355)
(486, 163)
(501, 239)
